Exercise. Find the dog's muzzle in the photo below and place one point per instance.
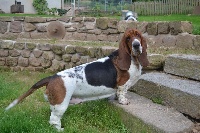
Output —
(136, 47)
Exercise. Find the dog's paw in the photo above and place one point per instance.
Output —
(122, 100)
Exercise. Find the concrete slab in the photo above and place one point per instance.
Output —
(183, 65)
(162, 118)
(182, 94)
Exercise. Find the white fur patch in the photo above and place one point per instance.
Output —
(12, 104)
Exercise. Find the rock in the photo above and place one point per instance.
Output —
(41, 28)
(106, 50)
(14, 53)
(184, 40)
(181, 94)
(35, 61)
(92, 37)
(175, 27)
(15, 26)
(64, 19)
(58, 49)
(30, 46)
(142, 26)
(75, 58)
(102, 23)
(48, 55)
(7, 45)
(3, 53)
(77, 19)
(113, 24)
(39, 35)
(57, 65)
(67, 57)
(89, 19)
(24, 62)
(123, 25)
(183, 65)
(2, 61)
(156, 61)
(80, 36)
(3, 27)
(69, 49)
(95, 31)
(19, 45)
(89, 25)
(163, 27)
(102, 37)
(37, 53)
(25, 53)
(44, 47)
(35, 20)
(152, 28)
(197, 41)
(82, 50)
(11, 61)
(6, 19)
(18, 18)
(169, 40)
(29, 27)
(186, 27)
(46, 63)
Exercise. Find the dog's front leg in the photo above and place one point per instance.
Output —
(121, 91)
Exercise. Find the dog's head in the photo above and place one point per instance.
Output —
(133, 45)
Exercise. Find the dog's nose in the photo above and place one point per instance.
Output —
(136, 44)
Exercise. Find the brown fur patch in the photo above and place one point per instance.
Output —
(56, 91)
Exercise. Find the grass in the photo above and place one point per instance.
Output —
(32, 115)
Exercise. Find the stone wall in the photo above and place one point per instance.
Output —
(35, 57)
(169, 34)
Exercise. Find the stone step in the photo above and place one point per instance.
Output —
(183, 65)
(182, 94)
(161, 118)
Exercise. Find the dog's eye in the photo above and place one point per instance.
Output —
(128, 39)
(137, 34)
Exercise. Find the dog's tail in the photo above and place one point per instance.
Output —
(39, 84)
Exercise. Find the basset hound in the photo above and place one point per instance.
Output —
(105, 77)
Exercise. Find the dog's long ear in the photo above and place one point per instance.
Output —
(124, 58)
(143, 57)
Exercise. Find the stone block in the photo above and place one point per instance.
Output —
(15, 27)
(102, 37)
(58, 49)
(3, 27)
(23, 62)
(30, 46)
(142, 26)
(9, 36)
(46, 63)
(84, 59)
(44, 47)
(18, 18)
(35, 20)
(75, 58)
(6, 19)
(112, 31)
(19, 45)
(35, 61)
(48, 55)
(156, 61)
(77, 19)
(152, 28)
(197, 41)
(82, 50)
(113, 38)
(3, 53)
(37, 53)
(123, 25)
(41, 28)
(39, 35)
(67, 57)
(92, 51)
(163, 27)
(89, 19)
(113, 24)
(29, 27)
(95, 31)
(11, 61)
(25, 53)
(91, 37)
(89, 25)
(181, 94)
(169, 40)
(80, 36)
(64, 19)
(106, 50)
(7, 45)
(68, 36)
(14, 53)
(175, 27)
(102, 23)
(186, 27)
(184, 40)
(2, 61)
(183, 65)
(57, 65)
(25, 35)
(69, 49)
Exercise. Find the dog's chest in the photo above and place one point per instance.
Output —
(135, 73)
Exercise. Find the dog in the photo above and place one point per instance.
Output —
(103, 78)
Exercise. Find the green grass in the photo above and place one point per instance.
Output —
(32, 115)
